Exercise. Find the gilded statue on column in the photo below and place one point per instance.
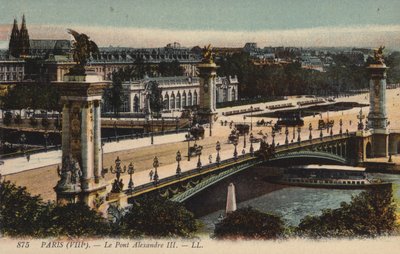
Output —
(378, 55)
(208, 55)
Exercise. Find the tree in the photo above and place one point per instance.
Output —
(158, 217)
(113, 95)
(156, 101)
(369, 214)
(24, 215)
(76, 220)
(168, 69)
(249, 223)
(20, 213)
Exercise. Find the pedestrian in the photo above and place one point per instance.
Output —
(210, 158)
(28, 157)
(243, 152)
(151, 174)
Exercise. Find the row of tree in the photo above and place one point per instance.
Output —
(33, 96)
(24, 215)
(369, 214)
(290, 79)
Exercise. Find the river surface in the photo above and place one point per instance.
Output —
(294, 203)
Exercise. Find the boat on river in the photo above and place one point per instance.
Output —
(327, 176)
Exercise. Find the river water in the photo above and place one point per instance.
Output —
(294, 203)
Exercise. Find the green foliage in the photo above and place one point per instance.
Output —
(76, 220)
(249, 223)
(34, 96)
(168, 69)
(113, 95)
(158, 217)
(20, 213)
(33, 121)
(45, 122)
(7, 118)
(291, 79)
(18, 119)
(156, 103)
(24, 215)
(393, 73)
(370, 214)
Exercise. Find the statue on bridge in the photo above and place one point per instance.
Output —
(208, 55)
(378, 55)
(70, 174)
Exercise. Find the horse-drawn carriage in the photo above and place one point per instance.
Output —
(242, 128)
(323, 125)
(195, 150)
(197, 132)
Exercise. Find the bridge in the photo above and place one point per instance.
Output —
(332, 149)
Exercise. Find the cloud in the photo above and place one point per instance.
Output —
(362, 36)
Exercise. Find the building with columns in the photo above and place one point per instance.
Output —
(177, 93)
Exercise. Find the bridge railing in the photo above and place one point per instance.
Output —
(142, 135)
(184, 175)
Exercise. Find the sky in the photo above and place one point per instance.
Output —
(154, 23)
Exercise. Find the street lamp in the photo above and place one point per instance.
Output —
(46, 136)
(156, 164)
(251, 144)
(198, 152)
(178, 159)
(320, 134)
(251, 118)
(244, 140)
(218, 147)
(188, 140)
(131, 170)
(298, 134)
(294, 133)
(235, 143)
(115, 130)
(273, 137)
(117, 184)
(287, 134)
(22, 140)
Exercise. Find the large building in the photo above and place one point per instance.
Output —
(177, 93)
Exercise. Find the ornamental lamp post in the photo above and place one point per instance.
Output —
(198, 152)
(178, 160)
(22, 140)
(251, 118)
(235, 154)
(117, 185)
(156, 164)
(244, 140)
(287, 134)
(218, 147)
(131, 170)
(188, 140)
(251, 144)
(273, 137)
(46, 136)
(298, 134)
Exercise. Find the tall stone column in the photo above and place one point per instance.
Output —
(207, 73)
(377, 117)
(98, 163)
(81, 140)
